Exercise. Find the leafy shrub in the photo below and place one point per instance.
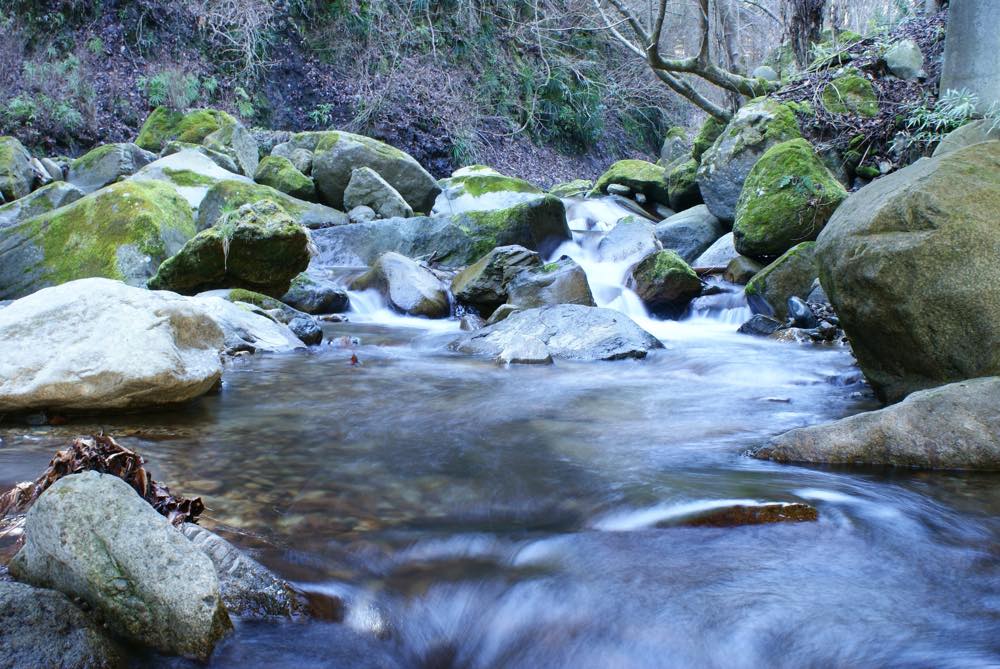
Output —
(56, 102)
(927, 126)
(175, 88)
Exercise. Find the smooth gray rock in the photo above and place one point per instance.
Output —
(41, 201)
(631, 240)
(969, 134)
(107, 164)
(690, 233)
(524, 351)
(301, 158)
(484, 283)
(43, 628)
(92, 536)
(408, 286)
(222, 160)
(55, 171)
(905, 60)
(560, 282)
(741, 269)
(248, 328)
(956, 426)
(361, 214)
(791, 275)
(719, 254)
(314, 295)
(568, 331)
(367, 189)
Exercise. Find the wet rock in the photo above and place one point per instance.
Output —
(791, 275)
(524, 351)
(313, 295)
(632, 239)
(569, 331)
(761, 325)
(951, 427)
(107, 164)
(247, 587)
(408, 286)
(719, 254)
(43, 628)
(751, 514)
(559, 282)
(16, 175)
(367, 189)
(306, 329)
(471, 323)
(484, 283)
(502, 312)
(665, 283)
(799, 313)
(165, 348)
(91, 536)
(690, 233)
(39, 202)
(741, 269)
(481, 188)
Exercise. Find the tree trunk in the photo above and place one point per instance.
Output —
(804, 23)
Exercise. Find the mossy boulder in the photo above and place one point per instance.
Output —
(676, 148)
(707, 134)
(850, 94)
(220, 159)
(229, 195)
(682, 184)
(107, 164)
(755, 128)
(16, 175)
(638, 176)
(258, 247)
(791, 275)
(910, 265)
(211, 128)
(483, 284)
(123, 231)
(787, 198)
(665, 283)
(481, 188)
(191, 172)
(279, 173)
(39, 202)
(574, 188)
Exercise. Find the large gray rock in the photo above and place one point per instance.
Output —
(910, 265)
(905, 60)
(225, 196)
(367, 189)
(408, 286)
(58, 353)
(569, 331)
(107, 164)
(92, 536)
(248, 328)
(43, 200)
(791, 275)
(224, 161)
(724, 167)
(43, 628)
(560, 282)
(665, 283)
(969, 134)
(522, 350)
(956, 426)
(452, 241)
(690, 233)
(315, 295)
(190, 172)
(16, 175)
(632, 239)
(248, 588)
(719, 254)
(484, 283)
(302, 325)
(972, 51)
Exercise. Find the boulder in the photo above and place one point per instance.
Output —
(690, 233)
(367, 189)
(787, 198)
(480, 188)
(568, 331)
(765, 72)
(632, 239)
(502, 312)
(682, 183)
(909, 262)
(302, 325)
(313, 295)
(955, 426)
(43, 628)
(258, 247)
(521, 350)
(107, 164)
(719, 254)
(451, 241)
(707, 134)
(16, 175)
(280, 174)
(220, 159)
(247, 587)
(191, 172)
(302, 159)
(39, 202)
(560, 282)
(484, 283)
(59, 355)
(850, 93)
(248, 328)
(211, 128)
(337, 154)
(791, 275)
(905, 60)
(761, 326)
(225, 196)
(92, 536)
(724, 167)
(55, 170)
(665, 283)
(638, 176)
(123, 231)
(975, 132)
(741, 269)
(361, 214)
(408, 286)
(574, 188)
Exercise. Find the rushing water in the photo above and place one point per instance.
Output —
(475, 516)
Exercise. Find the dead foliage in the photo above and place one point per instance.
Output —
(101, 453)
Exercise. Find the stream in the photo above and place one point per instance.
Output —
(475, 516)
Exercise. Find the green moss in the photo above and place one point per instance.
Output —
(850, 94)
(867, 172)
(279, 173)
(234, 194)
(575, 188)
(548, 268)
(164, 125)
(489, 229)
(677, 132)
(188, 178)
(667, 264)
(707, 134)
(638, 175)
(787, 198)
(329, 139)
(682, 183)
(94, 156)
(790, 274)
(477, 185)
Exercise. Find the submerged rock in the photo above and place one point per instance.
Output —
(43, 628)
(690, 233)
(107, 164)
(368, 189)
(91, 536)
(951, 427)
(559, 282)
(60, 353)
(409, 287)
(748, 514)
(568, 331)
(484, 283)
(761, 325)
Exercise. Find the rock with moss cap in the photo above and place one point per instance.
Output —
(791, 275)
(16, 174)
(39, 202)
(481, 188)
(451, 241)
(638, 176)
(407, 286)
(220, 159)
(755, 128)
(850, 93)
(279, 173)
(787, 198)
(665, 283)
(258, 247)
(300, 157)
(336, 154)
(368, 189)
(107, 164)
(559, 282)
(315, 295)
(707, 134)
(123, 231)
(574, 188)
(211, 128)
(910, 265)
(484, 283)
(191, 172)
(682, 183)
(225, 196)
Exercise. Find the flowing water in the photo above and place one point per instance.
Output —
(474, 516)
